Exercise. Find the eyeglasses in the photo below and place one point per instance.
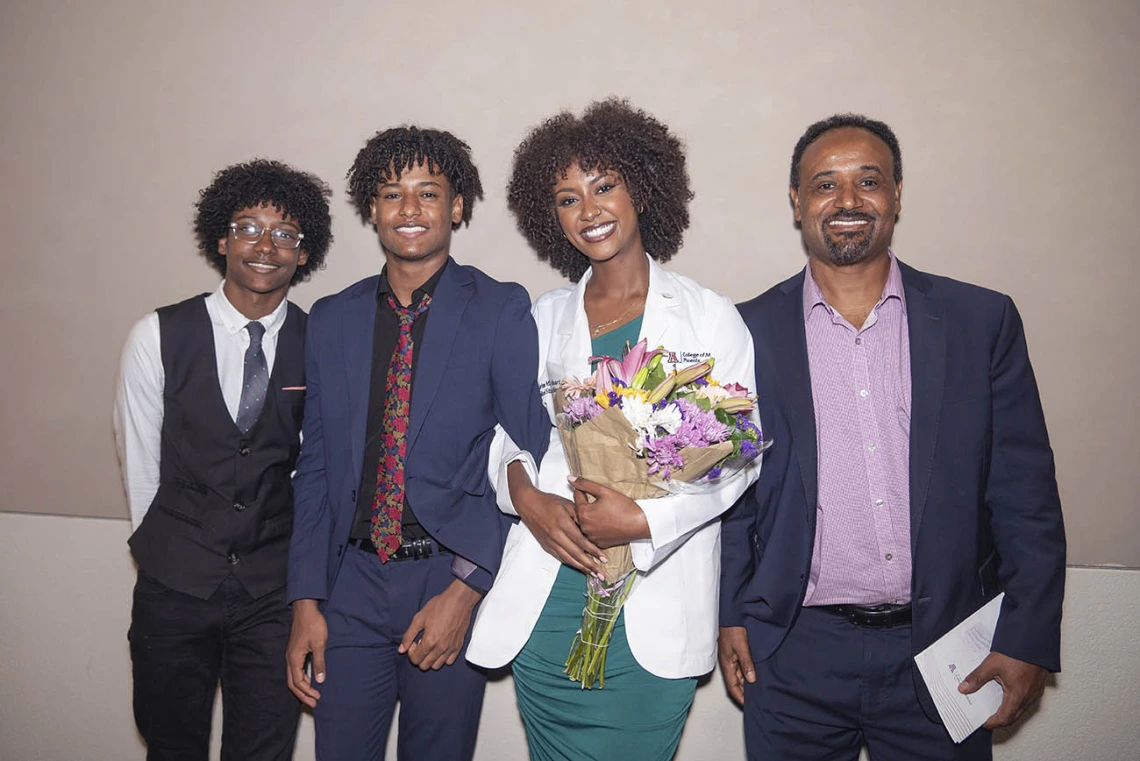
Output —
(251, 232)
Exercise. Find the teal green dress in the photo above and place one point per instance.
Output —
(637, 716)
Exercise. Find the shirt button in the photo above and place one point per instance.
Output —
(858, 341)
(889, 556)
(863, 393)
(233, 558)
(239, 506)
(244, 451)
(878, 503)
(871, 448)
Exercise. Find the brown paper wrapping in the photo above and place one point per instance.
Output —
(601, 450)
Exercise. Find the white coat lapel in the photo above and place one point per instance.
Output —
(570, 354)
(663, 307)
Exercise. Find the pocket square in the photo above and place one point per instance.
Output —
(292, 388)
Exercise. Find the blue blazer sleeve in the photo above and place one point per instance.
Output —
(1024, 505)
(737, 564)
(309, 545)
(514, 376)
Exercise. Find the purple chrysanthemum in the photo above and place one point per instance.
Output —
(699, 427)
(582, 408)
(663, 456)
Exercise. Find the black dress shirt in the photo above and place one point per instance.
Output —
(384, 338)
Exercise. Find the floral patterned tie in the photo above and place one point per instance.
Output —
(388, 503)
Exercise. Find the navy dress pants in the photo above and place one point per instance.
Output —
(833, 686)
(368, 611)
(181, 646)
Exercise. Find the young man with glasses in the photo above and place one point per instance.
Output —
(397, 534)
(207, 423)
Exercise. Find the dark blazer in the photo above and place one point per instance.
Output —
(985, 512)
(476, 368)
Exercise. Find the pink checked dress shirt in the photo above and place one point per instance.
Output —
(860, 380)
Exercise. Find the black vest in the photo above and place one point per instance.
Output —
(225, 499)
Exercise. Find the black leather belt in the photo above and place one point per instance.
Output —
(871, 616)
(410, 549)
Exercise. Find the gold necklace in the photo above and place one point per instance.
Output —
(598, 330)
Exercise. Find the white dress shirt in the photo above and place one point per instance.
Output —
(138, 410)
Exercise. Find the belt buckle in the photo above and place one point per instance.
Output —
(418, 549)
(880, 619)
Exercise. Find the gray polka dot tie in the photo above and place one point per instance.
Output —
(255, 380)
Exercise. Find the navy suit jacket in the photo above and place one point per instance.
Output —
(985, 512)
(476, 367)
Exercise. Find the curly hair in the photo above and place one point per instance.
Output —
(261, 182)
(396, 149)
(611, 135)
(839, 121)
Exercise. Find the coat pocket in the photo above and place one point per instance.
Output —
(988, 575)
(180, 516)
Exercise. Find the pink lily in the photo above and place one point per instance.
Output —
(636, 359)
(735, 390)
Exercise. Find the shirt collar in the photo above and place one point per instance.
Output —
(234, 321)
(427, 289)
(813, 296)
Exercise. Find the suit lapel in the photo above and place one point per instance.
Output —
(928, 376)
(790, 339)
(357, 328)
(454, 290)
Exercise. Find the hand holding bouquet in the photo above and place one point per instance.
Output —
(645, 433)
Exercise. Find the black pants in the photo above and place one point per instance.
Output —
(182, 645)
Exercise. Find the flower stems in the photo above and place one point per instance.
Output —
(586, 662)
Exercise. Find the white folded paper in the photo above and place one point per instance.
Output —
(950, 659)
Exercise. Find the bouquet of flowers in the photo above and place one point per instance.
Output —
(645, 433)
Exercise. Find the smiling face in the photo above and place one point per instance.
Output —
(597, 214)
(414, 214)
(260, 268)
(847, 200)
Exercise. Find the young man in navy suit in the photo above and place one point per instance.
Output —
(911, 482)
(208, 422)
(397, 534)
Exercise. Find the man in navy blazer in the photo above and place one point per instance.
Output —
(911, 481)
(396, 534)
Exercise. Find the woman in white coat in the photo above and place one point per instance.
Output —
(604, 198)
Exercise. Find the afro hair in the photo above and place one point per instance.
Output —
(261, 182)
(611, 135)
(396, 149)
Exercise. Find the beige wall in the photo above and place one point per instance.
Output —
(66, 674)
(1018, 122)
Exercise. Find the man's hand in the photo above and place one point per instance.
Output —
(551, 520)
(1022, 682)
(606, 516)
(735, 661)
(308, 637)
(436, 633)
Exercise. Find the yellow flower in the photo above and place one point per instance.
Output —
(637, 393)
(602, 399)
